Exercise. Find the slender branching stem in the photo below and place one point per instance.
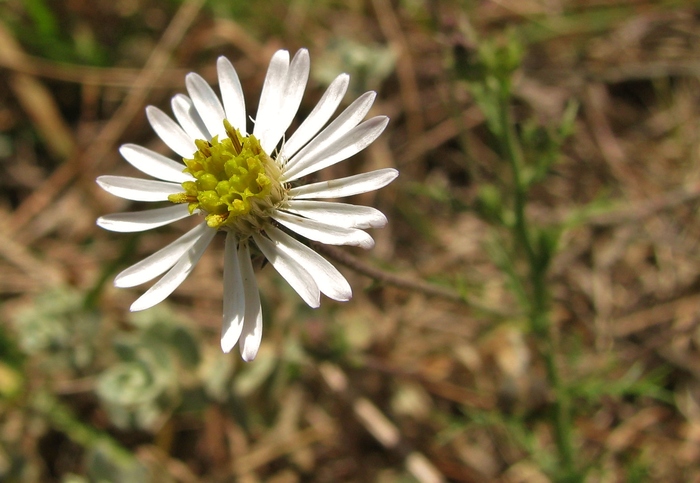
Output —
(538, 315)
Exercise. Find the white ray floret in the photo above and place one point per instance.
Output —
(341, 148)
(154, 164)
(328, 279)
(342, 214)
(136, 221)
(293, 90)
(318, 117)
(170, 132)
(342, 187)
(152, 266)
(207, 104)
(271, 99)
(347, 120)
(235, 301)
(137, 189)
(188, 117)
(242, 185)
(175, 276)
(324, 232)
(292, 271)
(251, 336)
(231, 94)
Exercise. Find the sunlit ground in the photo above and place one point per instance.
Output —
(529, 314)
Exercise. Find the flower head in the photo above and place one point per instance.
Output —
(247, 185)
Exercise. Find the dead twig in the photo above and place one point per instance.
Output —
(411, 284)
(379, 426)
(404, 66)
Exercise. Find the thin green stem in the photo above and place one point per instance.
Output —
(62, 419)
(514, 155)
(539, 305)
(561, 410)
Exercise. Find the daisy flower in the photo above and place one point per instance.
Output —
(249, 186)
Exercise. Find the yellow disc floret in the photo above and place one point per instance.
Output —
(236, 183)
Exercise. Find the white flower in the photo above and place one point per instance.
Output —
(247, 185)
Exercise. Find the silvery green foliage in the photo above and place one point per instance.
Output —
(59, 327)
(156, 364)
(102, 466)
(369, 65)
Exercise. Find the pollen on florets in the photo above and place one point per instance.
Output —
(236, 183)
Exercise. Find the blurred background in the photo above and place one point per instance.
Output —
(436, 370)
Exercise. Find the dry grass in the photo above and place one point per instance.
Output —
(410, 380)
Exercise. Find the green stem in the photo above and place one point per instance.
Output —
(561, 410)
(539, 307)
(62, 419)
(515, 158)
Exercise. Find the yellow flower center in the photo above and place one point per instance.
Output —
(236, 183)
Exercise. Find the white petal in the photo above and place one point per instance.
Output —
(253, 326)
(231, 94)
(291, 270)
(338, 214)
(318, 117)
(207, 104)
(152, 266)
(347, 120)
(323, 232)
(350, 144)
(349, 186)
(143, 220)
(171, 280)
(188, 117)
(327, 277)
(234, 296)
(271, 97)
(154, 164)
(170, 132)
(293, 91)
(137, 189)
